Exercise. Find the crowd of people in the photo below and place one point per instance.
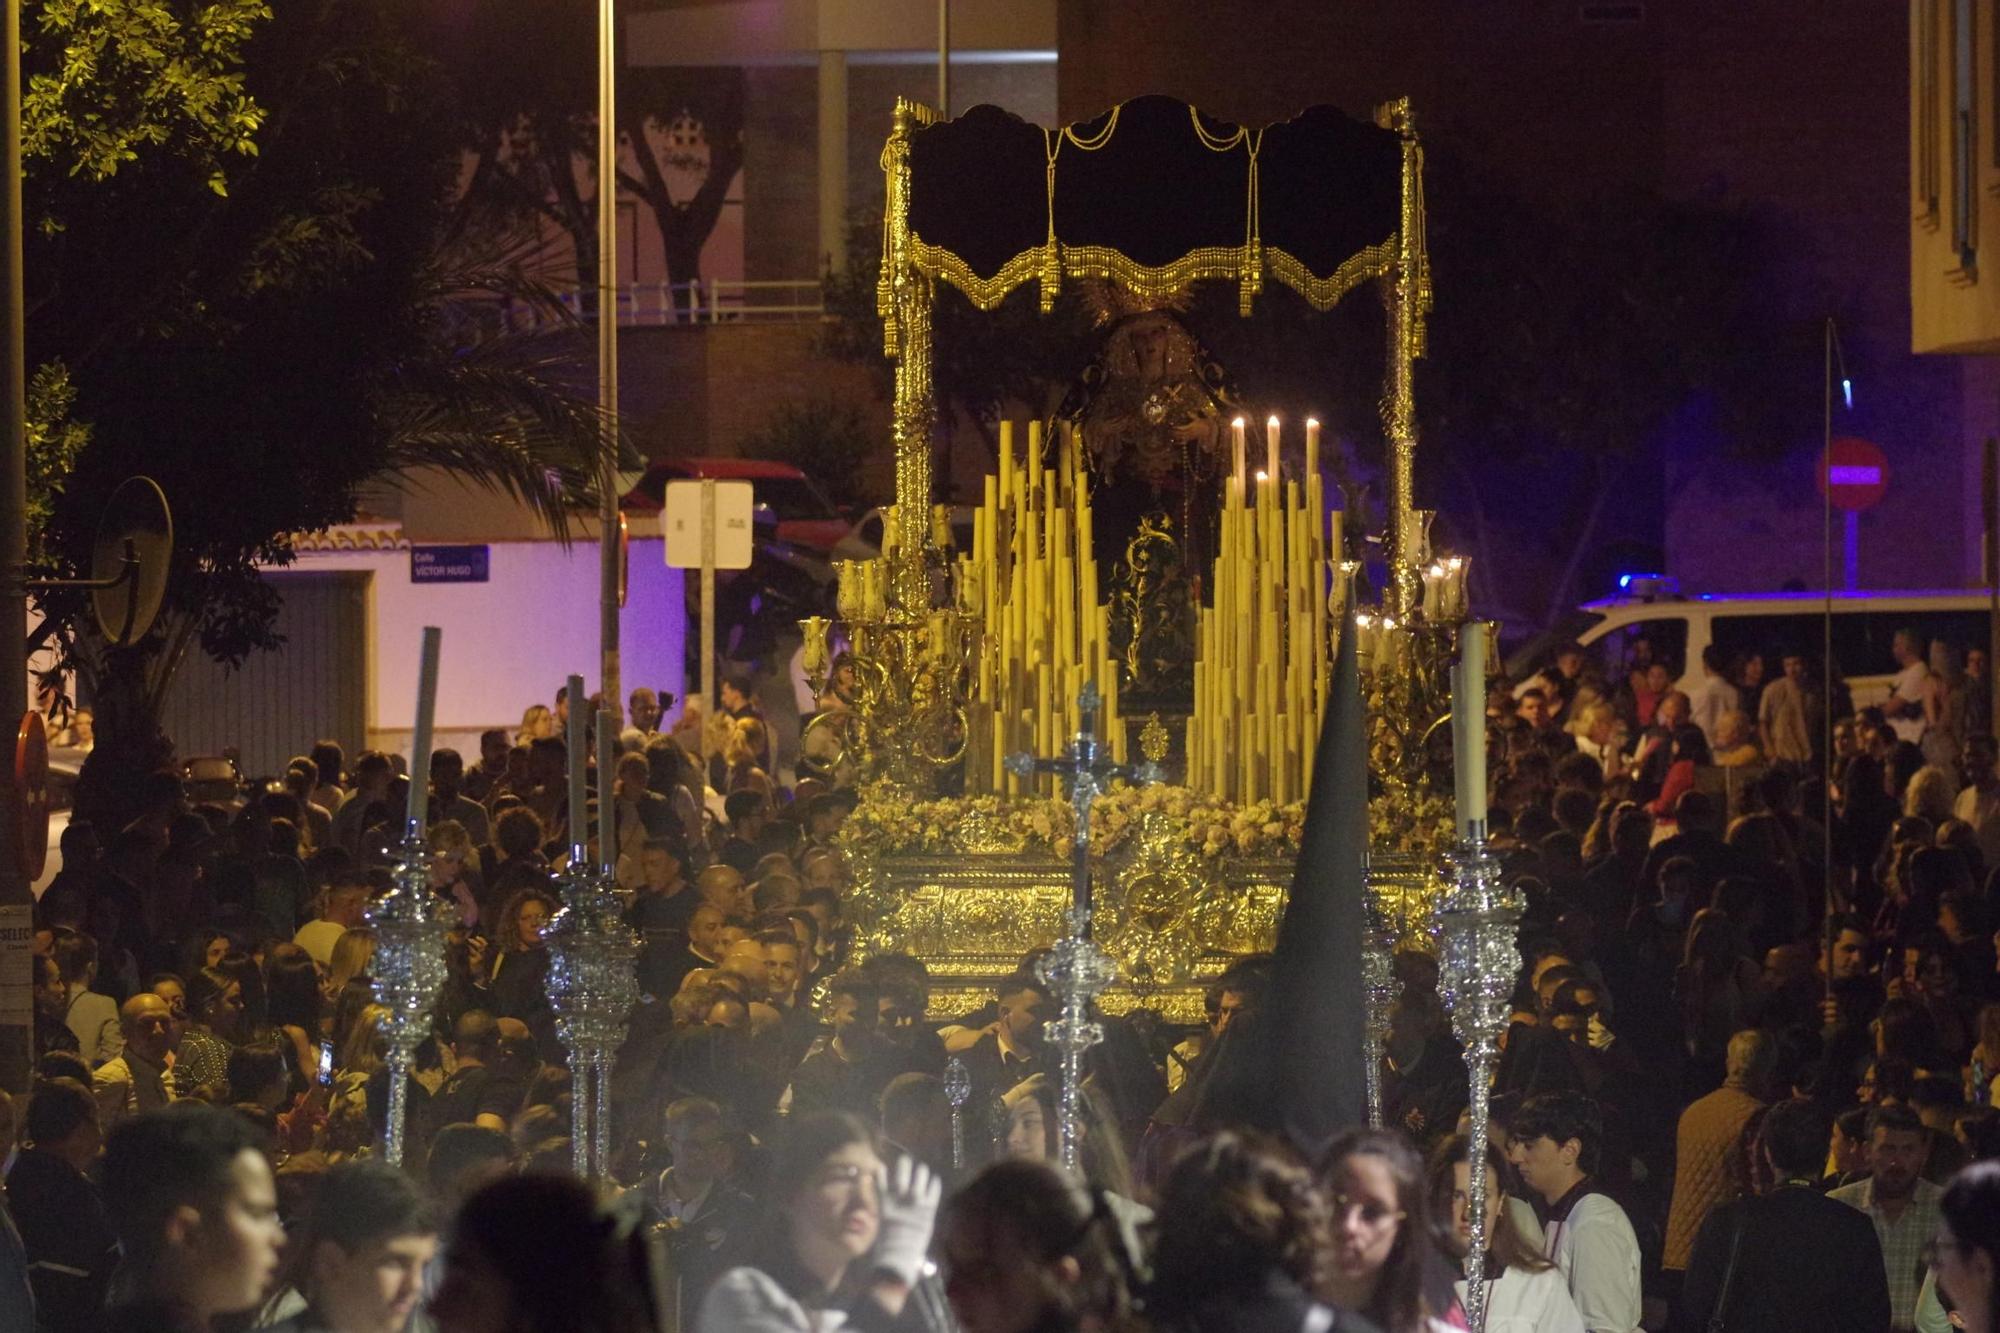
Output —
(1749, 1081)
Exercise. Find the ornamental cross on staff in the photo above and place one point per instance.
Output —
(1076, 970)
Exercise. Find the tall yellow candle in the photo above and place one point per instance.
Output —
(999, 749)
(1271, 448)
(1237, 446)
(1031, 463)
(1006, 478)
(1065, 606)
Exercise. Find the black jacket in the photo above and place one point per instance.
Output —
(1803, 1261)
(71, 1249)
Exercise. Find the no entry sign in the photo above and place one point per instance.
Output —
(1853, 474)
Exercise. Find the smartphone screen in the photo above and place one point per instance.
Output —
(325, 1062)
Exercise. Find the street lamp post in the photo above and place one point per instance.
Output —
(609, 533)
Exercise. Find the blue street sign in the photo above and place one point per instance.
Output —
(448, 564)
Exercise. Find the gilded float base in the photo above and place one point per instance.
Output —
(1170, 927)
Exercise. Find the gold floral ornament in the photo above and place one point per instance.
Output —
(1157, 913)
(1182, 878)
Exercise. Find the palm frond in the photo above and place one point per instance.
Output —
(493, 405)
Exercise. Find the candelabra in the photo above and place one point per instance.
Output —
(1479, 919)
(1077, 971)
(906, 695)
(1406, 669)
(1378, 980)
(592, 985)
(957, 1091)
(410, 924)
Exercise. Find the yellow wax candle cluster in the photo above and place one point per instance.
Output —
(1032, 579)
(1262, 661)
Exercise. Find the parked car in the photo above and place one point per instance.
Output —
(805, 517)
(864, 540)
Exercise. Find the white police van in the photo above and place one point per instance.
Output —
(1864, 626)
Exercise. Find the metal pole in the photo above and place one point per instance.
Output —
(944, 60)
(1826, 664)
(708, 596)
(609, 545)
(1990, 499)
(16, 983)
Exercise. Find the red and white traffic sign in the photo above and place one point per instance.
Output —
(1853, 474)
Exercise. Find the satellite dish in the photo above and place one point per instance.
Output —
(128, 564)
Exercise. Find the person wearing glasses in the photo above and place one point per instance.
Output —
(1967, 1248)
(845, 1247)
(1384, 1265)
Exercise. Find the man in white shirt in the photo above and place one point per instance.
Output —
(1979, 803)
(141, 1077)
(345, 902)
(1904, 707)
(1556, 1139)
(1714, 697)
(92, 1016)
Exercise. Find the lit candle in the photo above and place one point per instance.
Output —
(1468, 726)
(607, 799)
(1271, 447)
(1238, 472)
(1312, 447)
(579, 708)
(420, 738)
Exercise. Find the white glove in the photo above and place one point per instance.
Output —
(909, 1201)
(1599, 1036)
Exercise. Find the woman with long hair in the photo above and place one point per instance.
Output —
(508, 973)
(1245, 1240)
(1689, 751)
(1525, 1293)
(1033, 1133)
(1025, 1249)
(291, 987)
(215, 1026)
(206, 948)
(1384, 1264)
(356, 1060)
(845, 1243)
(537, 723)
(256, 1000)
(352, 953)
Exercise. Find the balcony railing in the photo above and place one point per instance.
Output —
(707, 301)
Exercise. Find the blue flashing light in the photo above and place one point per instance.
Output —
(1625, 581)
(1847, 392)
